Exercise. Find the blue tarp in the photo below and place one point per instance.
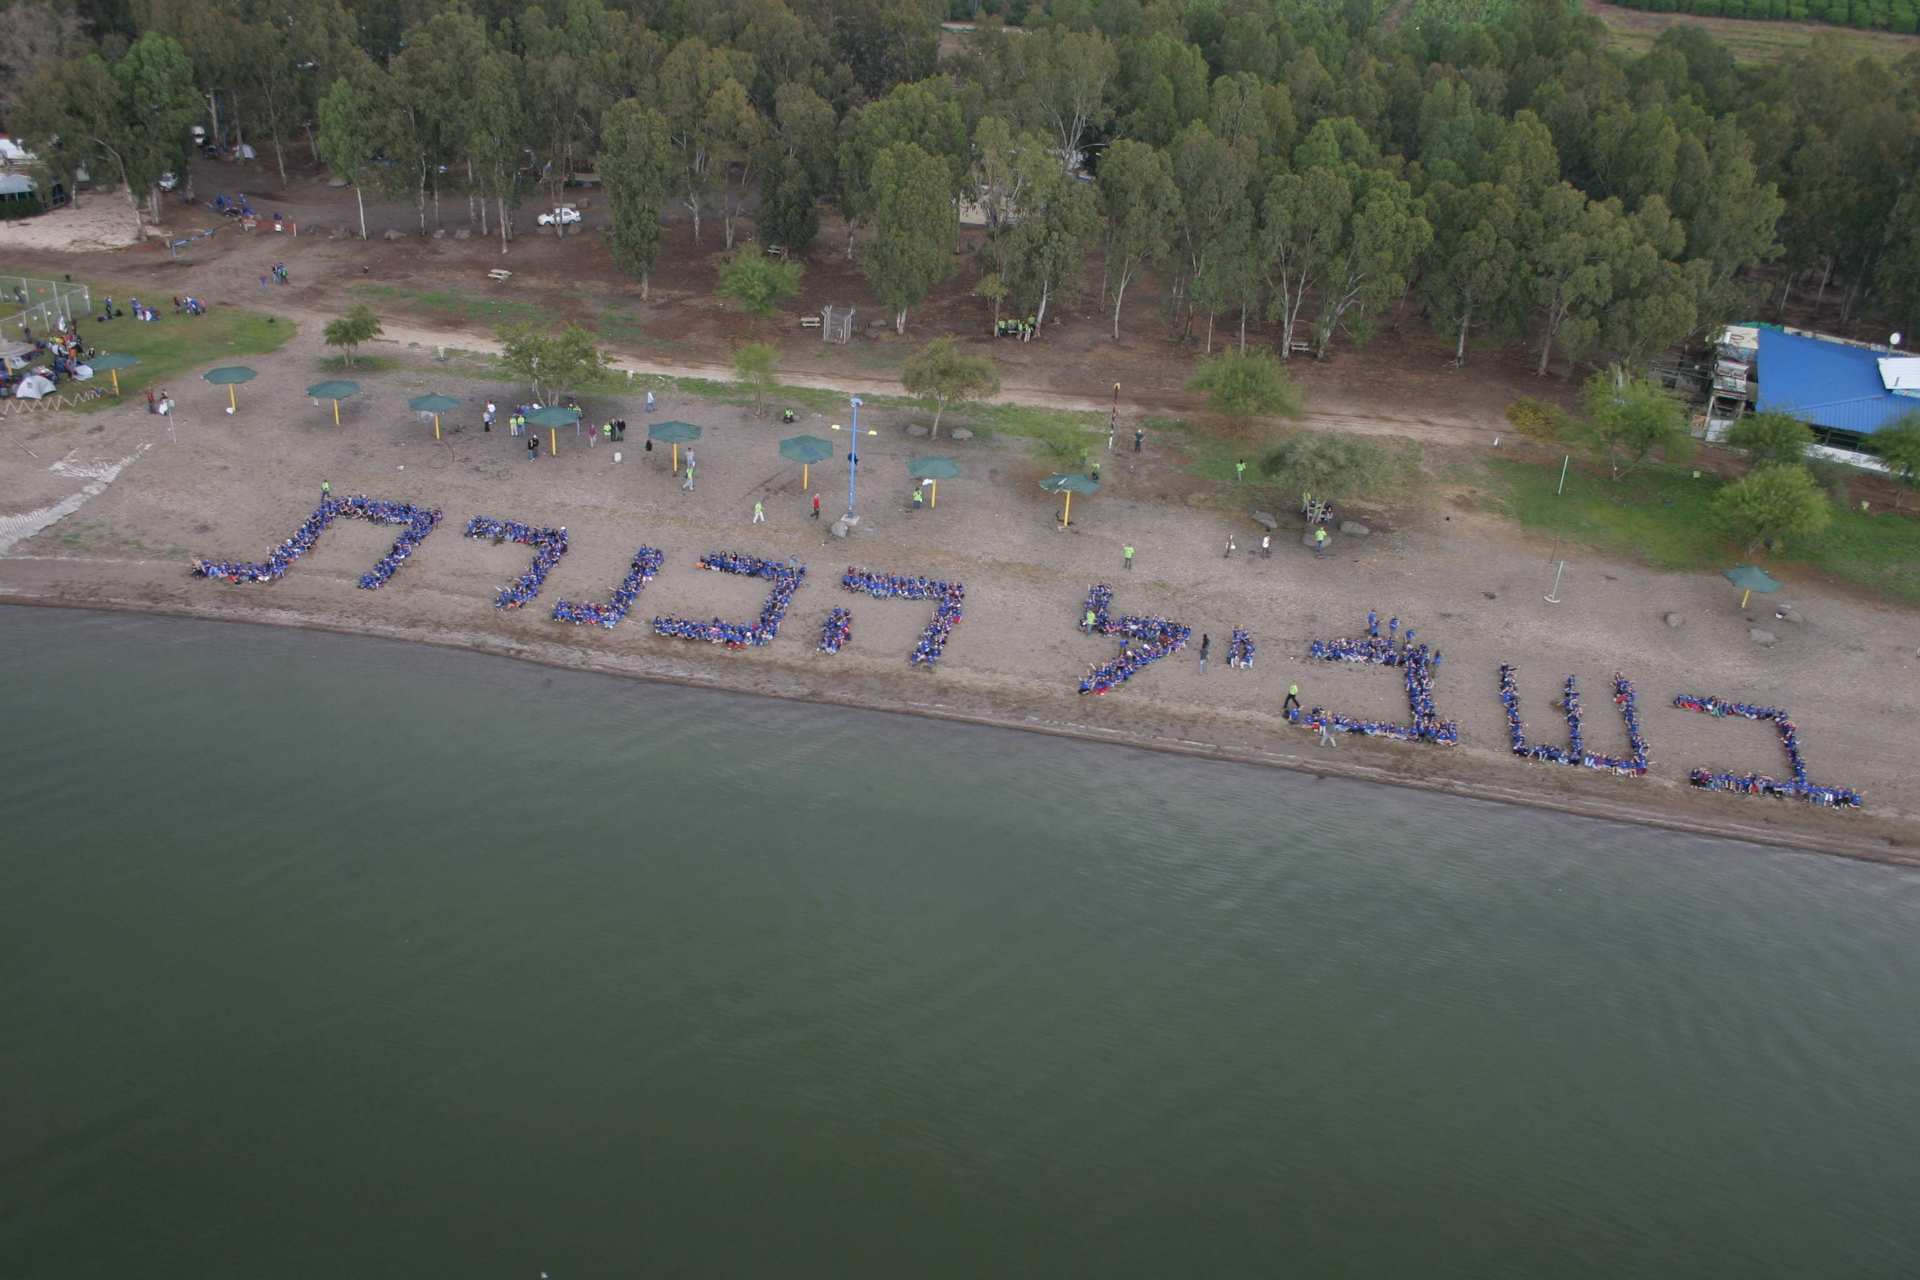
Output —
(1827, 384)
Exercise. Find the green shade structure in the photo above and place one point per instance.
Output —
(676, 434)
(935, 469)
(1750, 579)
(112, 365)
(1069, 485)
(436, 404)
(553, 417)
(228, 375)
(336, 390)
(806, 450)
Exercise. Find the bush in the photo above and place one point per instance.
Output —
(1771, 439)
(1771, 505)
(758, 283)
(1243, 386)
(1331, 466)
(1538, 420)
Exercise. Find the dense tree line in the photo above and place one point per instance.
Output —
(1304, 168)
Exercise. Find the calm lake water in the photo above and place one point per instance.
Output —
(326, 957)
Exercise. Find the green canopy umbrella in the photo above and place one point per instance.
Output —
(935, 469)
(435, 404)
(227, 375)
(805, 450)
(113, 364)
(676, 434)
(1750, 579)
(336, 390)
(1069, 485)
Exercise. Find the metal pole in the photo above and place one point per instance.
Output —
(853, 459)
(1561, 487)
(1553, 596)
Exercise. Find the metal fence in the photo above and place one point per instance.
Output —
(40, 305)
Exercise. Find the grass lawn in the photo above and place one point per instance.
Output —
(175, 347)
(455, 305)
(1663, 517)
(1751, 40)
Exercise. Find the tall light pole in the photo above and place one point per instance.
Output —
(853, 460)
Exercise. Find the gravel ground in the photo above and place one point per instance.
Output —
(232, 487)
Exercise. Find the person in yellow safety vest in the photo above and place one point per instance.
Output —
(607, 430)
(918, 498)
(1320, 542)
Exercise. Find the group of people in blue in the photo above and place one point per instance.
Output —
(548, 546)
(1240, 649)
(1420, 665)
(1145, 640)
(646, 563)
(948, 598)
(1575, 752)
(837, 630)
(1759, 784)
(418, 522)
(786, 578)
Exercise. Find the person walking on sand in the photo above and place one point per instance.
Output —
(486, 416)
(1126, 556)
(1206, 646)
(759, 513)
(919, 498)
(688, 486)
(1320, 544)
(1293, 699)
(649, 402)
(326, 490)
(1326, 735)
(816, 506)
(1229, 554)
(1091, 619)
(1139, 438)
(533, 446)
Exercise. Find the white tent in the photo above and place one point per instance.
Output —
(33, 387)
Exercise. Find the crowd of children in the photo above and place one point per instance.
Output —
(946, 613)
(418, 522)
(1575, 752)
(837, 630)
(646, 563)
(1145, 641)
(1759, 784)
(786, 578)
(1420, 666)
(548, 546)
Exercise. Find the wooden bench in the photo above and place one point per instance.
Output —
(499, 275)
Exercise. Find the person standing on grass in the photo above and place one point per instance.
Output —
(816, 506)
(1206, 646)
(1239, 470)
(1293, 699)
(759, 513)
(1126, 556)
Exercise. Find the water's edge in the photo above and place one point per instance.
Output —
(1855, 848)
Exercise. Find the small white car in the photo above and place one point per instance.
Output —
(563, 216)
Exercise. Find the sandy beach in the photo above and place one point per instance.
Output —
(139, 497)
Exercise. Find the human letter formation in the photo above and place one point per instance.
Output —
(1419, 666)
(786, 578)
(892, 586)
(417, 523)
(1144, 641)
(837, 630)
(548, 546)
(1758, 784)
(1575, 752)
(646, 563)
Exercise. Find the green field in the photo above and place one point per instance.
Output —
(454, 305)
(1662, 517)
(1747, 39)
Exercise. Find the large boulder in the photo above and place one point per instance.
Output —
(1762, 638)
(917, 431)
(439, 233)
(839, 528)
(394, 233)
(461, 233)
(1354, 529)
(960, 433)
(1265, 519)
(1674, 620)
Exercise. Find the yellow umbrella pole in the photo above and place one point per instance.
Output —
(1744, 595)
(934, 494)
(436, 426)
(803, 476)
(336, 413)
(553, 442)
(232, 403)
(115, 375)
(1066, 515)
(676, 457)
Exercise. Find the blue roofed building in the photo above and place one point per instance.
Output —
(1845, 391)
